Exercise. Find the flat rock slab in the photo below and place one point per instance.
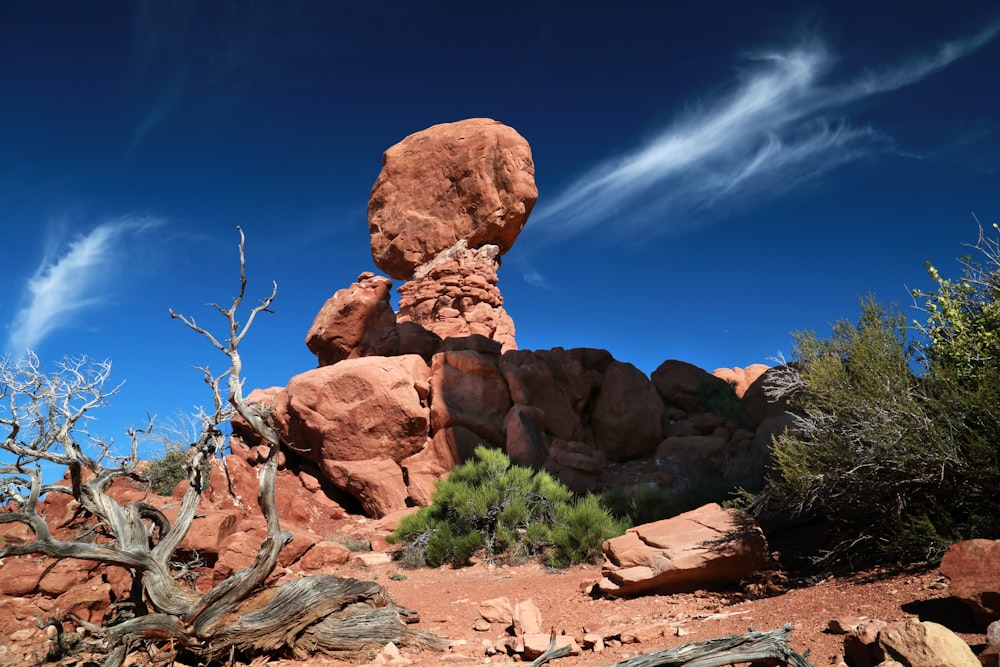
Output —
(703, 548)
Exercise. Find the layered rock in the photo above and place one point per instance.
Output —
(699, 549)
(456, 295)
(472, 180)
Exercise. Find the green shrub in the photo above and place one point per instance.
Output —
(508, 512)
(719, 397)
(166, 472)
(900, 458)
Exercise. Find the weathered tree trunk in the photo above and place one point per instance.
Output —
(322, 613)
(750, 647)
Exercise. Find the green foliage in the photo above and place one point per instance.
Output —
(720, 398)
(580, 530)
(642, 503)
(166, 472)
(506, 511)
(865, 449)
(963, 318)
(902, 464)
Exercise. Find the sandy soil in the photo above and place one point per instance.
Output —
(448, 599)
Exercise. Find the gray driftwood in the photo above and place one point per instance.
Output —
(752, 646)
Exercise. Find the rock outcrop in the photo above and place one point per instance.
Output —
(699, 549)
(472, 181)
(399, 398)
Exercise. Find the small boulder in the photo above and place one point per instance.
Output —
(538, 643)
(705, 547)
(973, 566)
(355, 322)
(925, 644)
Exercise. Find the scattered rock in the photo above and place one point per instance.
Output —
(538, 643)
(843, 625)
(527, 618)
(497, 610)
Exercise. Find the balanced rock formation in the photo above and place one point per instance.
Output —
(400, 398)
(705, 547)
(472, 180)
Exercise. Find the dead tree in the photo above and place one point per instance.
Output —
(756, 648)
(45, 418)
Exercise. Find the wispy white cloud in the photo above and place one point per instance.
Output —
(72, 279)
(536, 279)
(779, 124)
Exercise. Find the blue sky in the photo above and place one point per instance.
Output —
(712, 175)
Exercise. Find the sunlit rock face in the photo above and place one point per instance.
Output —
(472, 180)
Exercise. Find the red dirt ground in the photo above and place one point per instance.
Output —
(447, 600)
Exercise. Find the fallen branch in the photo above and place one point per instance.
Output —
(748, 647)
(551, 653)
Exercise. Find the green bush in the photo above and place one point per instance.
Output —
(719, 397)
(896, 442)
(166, 472)
(864, 449)
(508, 512)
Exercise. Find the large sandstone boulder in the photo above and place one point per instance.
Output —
(705, 547)
(359, 409)
(472, 180)
(757, 406)
(355, 322)
(684, 385)
(973, 566)
(924, 644)
(467, 390)
(627, 418)
(561, 383)
(740, 378)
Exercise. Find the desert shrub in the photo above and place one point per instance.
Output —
(894, 441)
(720, 398)
(581, 529)
(864, 448)
(166, 472)
(507, 512)
(642, 503)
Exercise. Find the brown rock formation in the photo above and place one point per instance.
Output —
(456, 294)
(974, 569)
(355, 322)
(471, 180)
(359, 409)
(705, 547)
(740, 378)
